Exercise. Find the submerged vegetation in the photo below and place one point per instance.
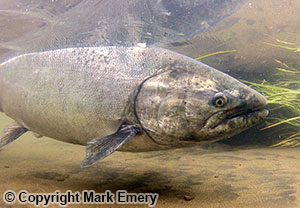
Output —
(215, 53)
(284, 93)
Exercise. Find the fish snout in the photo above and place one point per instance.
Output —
(258, 100)
(251, 99)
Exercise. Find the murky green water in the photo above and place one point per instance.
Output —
(242, 171)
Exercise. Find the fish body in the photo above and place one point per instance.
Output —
(62, 92)
(123, 98)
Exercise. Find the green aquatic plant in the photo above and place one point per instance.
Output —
(285, 45)
(283, 94)
(280, 94)
(215, 53)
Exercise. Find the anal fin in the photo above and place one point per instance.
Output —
(100, 148)
(11, 133)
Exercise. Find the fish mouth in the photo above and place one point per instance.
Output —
(236, 120)
(248, 113)
(250, 117)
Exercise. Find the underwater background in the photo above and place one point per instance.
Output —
(254, 41)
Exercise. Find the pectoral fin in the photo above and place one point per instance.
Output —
(11, 133)
(99, 148)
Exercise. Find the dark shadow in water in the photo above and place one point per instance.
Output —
(171, 184)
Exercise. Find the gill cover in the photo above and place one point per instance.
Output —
(172, 105)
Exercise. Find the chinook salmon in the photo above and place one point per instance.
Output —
(123, 98)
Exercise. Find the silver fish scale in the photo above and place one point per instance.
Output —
(72, 88)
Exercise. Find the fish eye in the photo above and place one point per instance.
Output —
(220, 100)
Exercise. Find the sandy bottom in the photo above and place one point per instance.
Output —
(215, 177)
